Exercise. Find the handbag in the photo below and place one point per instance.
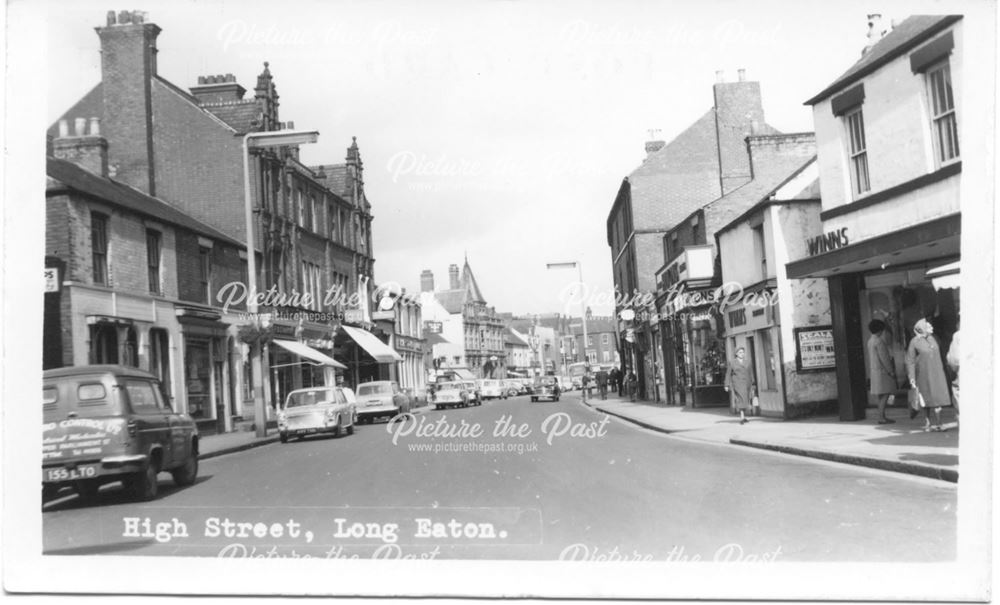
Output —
(916, 400)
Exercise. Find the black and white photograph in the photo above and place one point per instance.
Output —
(500, 299)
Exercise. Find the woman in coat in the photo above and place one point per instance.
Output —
(925, 370)
(881, 368)
(740, 383)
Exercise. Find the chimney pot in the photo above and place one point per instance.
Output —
(111, 18)
(95, 127)
(720, 76)
(80, 126)
(201, 79)
(291, 125)
(742, 74)
(63, 129)
(124, 18)
(230, 78)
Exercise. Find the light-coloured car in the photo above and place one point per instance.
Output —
(381, 399)
(316, 410)
(451, 395)
(475, 397)
(492, 389)
(512, 388)
(566, 383)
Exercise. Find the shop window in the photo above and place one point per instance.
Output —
(130, 352)
(99, 247)
(857, 150)
(103, 344)
(159, 356)
(760, 250)
(768, 371)
(942, 113)
(197, 379)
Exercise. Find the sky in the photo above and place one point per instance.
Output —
(497, 131)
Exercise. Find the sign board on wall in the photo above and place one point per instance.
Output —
(814, 348)
(432, 327)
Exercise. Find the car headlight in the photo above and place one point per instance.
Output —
(331, 413)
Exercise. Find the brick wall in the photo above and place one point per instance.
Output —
(737, 107)
(225, 262)
(199, 162)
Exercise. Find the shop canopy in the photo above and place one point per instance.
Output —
(933, 240)
(379, 351)
(945, 277)
(435, 339)
(302, 350)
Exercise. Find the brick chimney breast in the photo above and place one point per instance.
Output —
(453, 277)
(128, 65)
(737, 106)
(88, 150)
(218, 89)
(426, 280)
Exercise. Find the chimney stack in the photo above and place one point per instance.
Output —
(720, 76)
(426, 280)
(742, 73)
(88, 150)
(453, 277)
(737, 106)
(218, 89)
(128, 65)
(876, 31)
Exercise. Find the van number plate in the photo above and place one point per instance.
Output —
(64, 474)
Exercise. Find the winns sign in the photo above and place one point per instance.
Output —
(828, 241)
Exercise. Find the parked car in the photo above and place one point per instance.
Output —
(381, 398)
(512, 388)
(566, 383)
(317, 410)
(546, 387)
(492, 389)
(450, 395)
(475, 396)
(105, 423)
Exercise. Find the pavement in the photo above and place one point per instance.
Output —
(901, 447)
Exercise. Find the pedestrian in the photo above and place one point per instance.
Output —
(881, 368)
(740, 383)
(925, 369)
(632, 385)
(585, 383)
(602, 383)
(613, 377)
(953, 359)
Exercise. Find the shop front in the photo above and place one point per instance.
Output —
(411, 374)
(299, 357)
(755, 329)
(206, 363)
(365, 356)
(896, 278)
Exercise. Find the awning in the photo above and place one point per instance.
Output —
(937, 239)
(945, 277)
(380, 351)
(464, 374)
(296, 347)
(516, 374)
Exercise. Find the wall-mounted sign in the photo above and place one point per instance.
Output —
(828, 241)
(433, 327)
(814, 349)
(51, 279)
(383, 316)
(406, 343)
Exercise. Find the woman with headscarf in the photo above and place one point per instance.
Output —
(740, 382)
(925, 370)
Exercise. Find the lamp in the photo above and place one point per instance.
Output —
(275, 138)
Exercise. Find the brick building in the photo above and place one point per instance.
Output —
(704, 162)
(890, 165)
(313, 224)
(134, 280)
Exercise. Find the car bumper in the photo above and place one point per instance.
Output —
(376, 411)
(110, 466)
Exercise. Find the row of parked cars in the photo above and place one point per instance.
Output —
(110, 423)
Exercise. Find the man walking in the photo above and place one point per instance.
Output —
(602, 383)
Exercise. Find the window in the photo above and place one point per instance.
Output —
(99, 246)
(858, 150)
(590, 340)
(591, 357)
(605, 339)
(314, 207)
(159, 356)
(942, 109)
(606, 356)
(103, 343)
(760, 251)
(142, 397)
(153, 251)
(205, 272)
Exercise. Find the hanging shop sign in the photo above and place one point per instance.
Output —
(433, 327)
(814, 348)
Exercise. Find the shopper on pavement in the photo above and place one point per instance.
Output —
(602, 383)
(614, 377)
(881, 368)
(952, 359)
(740, 383)
(925, 370)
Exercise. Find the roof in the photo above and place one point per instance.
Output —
(511, 337)
(905, 36)
(96, 369)
(243, 116)
(765, 200)
(106, 189)
(335, 179)
(470, 285)
(451, 300)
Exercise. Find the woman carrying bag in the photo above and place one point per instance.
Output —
(925, 370)
(740, 383)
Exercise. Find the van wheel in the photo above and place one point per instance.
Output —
(186, 474)
(283, 437)
(143, 485)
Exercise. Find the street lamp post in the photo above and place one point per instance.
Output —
(276, 138)
(583, 303)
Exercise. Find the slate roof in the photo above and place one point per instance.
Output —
(511, 338)
(906, 36)
(243, 116)
(336, 179)
(452, 300)
(106, 189)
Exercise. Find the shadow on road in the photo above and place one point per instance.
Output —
(112, 494)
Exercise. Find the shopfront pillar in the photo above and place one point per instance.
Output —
(848, 342)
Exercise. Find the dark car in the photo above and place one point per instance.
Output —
(107, 423)
(546, 387)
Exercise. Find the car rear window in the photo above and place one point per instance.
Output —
(374, 389)
(81, 396)
(306, 398)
